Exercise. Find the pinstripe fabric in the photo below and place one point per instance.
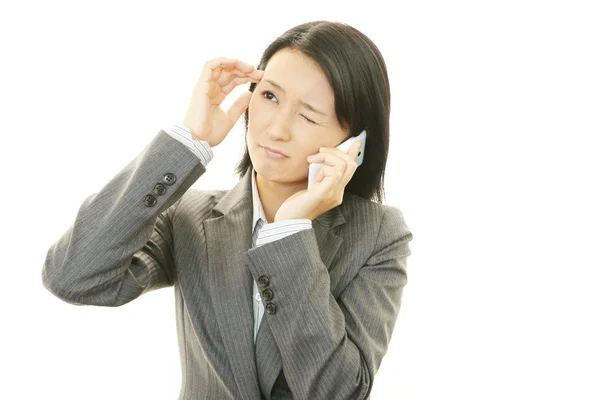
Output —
(267, 234)
(337, 286)
(200, 148)
(270, 233)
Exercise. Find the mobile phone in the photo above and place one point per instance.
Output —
(315, 168)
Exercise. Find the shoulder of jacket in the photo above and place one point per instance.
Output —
(354, 207)
(354, 204)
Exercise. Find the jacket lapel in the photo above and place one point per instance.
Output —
(228, 238)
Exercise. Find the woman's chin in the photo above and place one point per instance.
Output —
(278, 174)
(276, 170)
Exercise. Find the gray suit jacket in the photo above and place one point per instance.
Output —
(336, 287)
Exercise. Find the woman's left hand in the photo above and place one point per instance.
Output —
(328, 190)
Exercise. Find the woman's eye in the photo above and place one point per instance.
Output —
(309, 120)
(268, 95)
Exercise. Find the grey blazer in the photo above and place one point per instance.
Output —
(336, 287)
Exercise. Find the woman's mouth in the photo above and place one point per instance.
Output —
(273, 153)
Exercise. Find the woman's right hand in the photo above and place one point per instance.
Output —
(219, 77)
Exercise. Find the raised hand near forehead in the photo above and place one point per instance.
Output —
(205, 117)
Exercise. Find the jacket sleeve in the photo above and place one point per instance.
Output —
(120, 244)
(332, 348)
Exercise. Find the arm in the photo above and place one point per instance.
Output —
(120, 245)
(332, 348)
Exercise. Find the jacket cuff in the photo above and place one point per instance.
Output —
(200, 148)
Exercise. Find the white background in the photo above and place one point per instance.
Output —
(494, 162)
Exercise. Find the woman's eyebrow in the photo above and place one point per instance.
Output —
(311, 108)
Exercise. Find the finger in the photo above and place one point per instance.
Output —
(335, 175)
(244, 66)
(335, 150)
(220, 61)
(256, 74)
(329, 158)
(227, 62)
(219, 97)
(330, 162)
(352, 165)
(231, 85)
(228, 78)
(238, 107)
(212, 68)
(349, 158)
(226, 75)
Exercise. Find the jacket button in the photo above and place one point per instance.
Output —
(149, 200)
(159, 189)
(271, 309)
(268, 294)
(263, 281)
(169, 178)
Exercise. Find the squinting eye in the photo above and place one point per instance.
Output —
(309, 120)
(270, 95)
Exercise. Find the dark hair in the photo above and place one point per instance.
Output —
(358, 76)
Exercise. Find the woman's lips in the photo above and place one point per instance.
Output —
(273, 153)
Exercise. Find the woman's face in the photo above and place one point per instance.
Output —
(291, 111)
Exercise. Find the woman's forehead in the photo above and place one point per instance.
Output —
(298, 76)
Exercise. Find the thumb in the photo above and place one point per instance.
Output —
(239, 106)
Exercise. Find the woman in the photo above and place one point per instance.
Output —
(281, 292)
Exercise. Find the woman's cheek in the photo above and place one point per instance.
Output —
(257, 113)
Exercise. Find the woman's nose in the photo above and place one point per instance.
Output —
(278, 128)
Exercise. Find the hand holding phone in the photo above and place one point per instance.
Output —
(315, 168)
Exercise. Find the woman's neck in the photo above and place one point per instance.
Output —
(273, 194)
